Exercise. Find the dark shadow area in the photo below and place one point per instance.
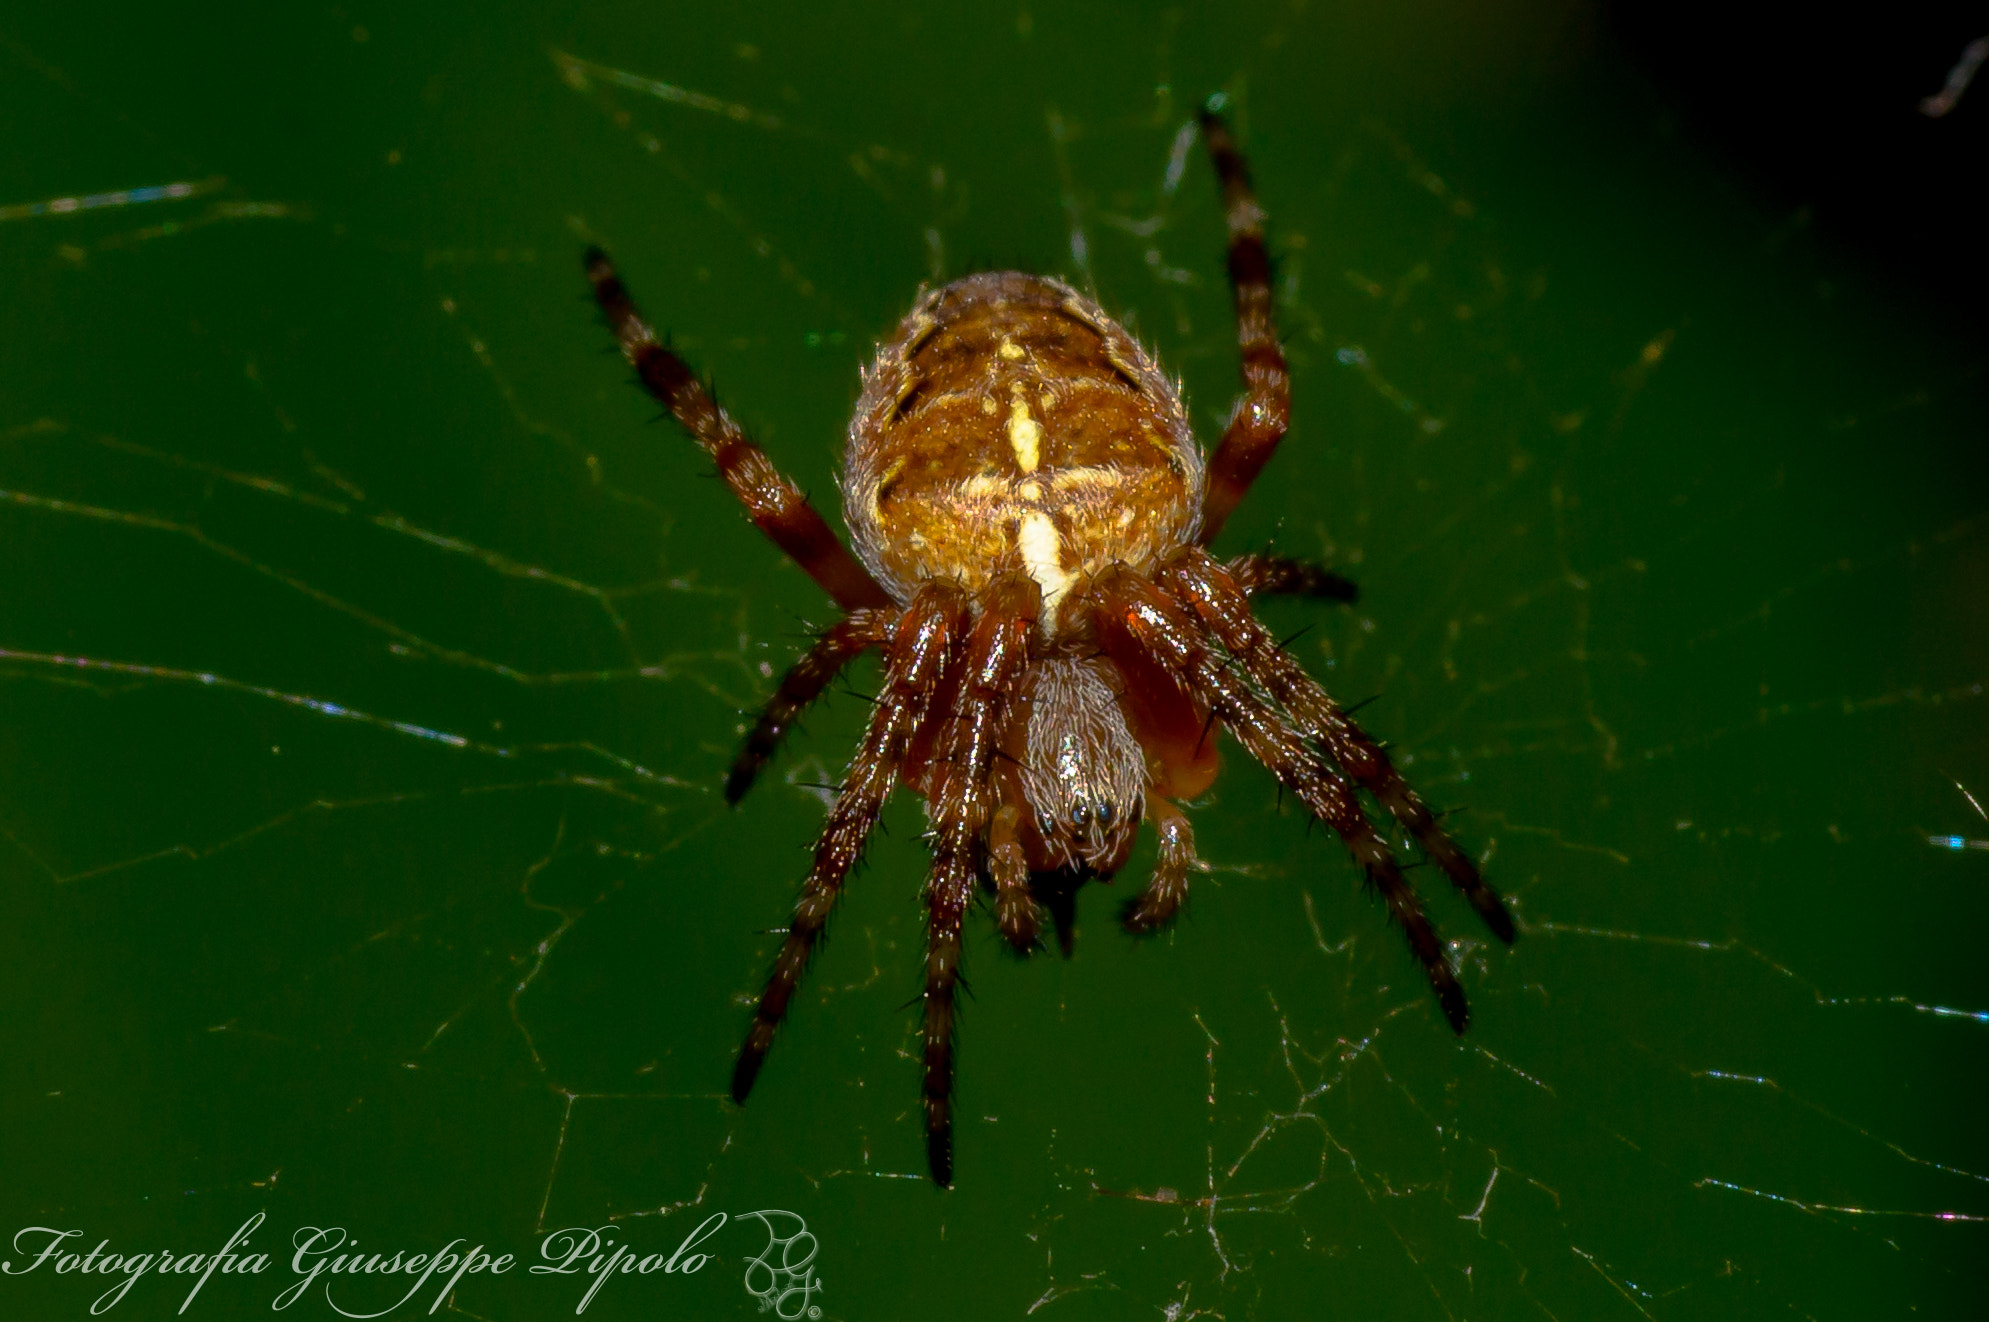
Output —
(1842, 115)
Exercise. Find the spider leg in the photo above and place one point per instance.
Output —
(921, 649)
(962, 809)
(1134, 615)
(1259, 575)
(1220, 603)
(1157, 905)
(841, 644)
(775, 504)
(1257, 423)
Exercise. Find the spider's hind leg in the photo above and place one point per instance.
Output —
(775, 505)
(1264, 575)
(1264, 408)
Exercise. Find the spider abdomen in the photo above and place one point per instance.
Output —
(1010, 425)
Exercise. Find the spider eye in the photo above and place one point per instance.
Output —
(1104, 811)
(1080, 816)
(1046, 825)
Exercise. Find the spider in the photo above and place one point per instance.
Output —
(1031, 513)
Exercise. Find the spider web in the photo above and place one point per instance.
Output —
(369, 670)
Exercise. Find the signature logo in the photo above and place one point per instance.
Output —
(783, 1276)
(329, 1260)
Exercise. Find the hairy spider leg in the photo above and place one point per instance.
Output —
(776, 506)
(1261, 575)
(1219, 601)
(1157, 905)
(922, 649)
(1133, 615)
(961, 809)
(1260, 416)
(840, 644)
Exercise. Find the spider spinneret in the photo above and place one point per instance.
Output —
(1030, 509)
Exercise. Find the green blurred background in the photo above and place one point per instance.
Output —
(368, 665)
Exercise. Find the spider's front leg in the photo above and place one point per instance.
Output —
(924, 644)
(1160, 903)
(1219, 601)
(841, 644)
(962, 809)
(1135, 619)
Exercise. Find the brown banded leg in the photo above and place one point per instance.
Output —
(921, 648)
(1157, 906)
(962, 810)
(1220, 603)
(775, 504)
(1134, 615)
(841, 644)
(1258, 422)
(1280, 575)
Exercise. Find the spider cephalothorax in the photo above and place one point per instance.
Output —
(1029, 509)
